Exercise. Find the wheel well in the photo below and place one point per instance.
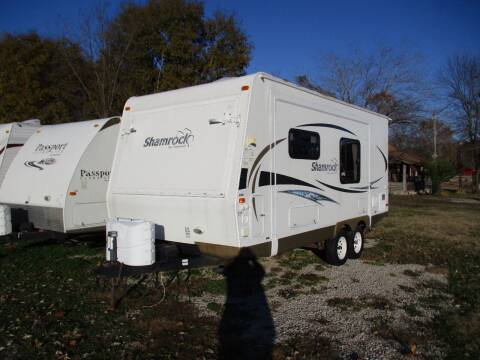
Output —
(362, 225)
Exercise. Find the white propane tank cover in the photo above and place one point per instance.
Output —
(5, 220)
(135, 241)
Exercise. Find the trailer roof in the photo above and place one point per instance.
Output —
(221, 88)
(316, 93)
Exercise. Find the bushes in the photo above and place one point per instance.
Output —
(440, 170)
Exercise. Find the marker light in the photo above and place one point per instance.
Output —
(241, 200)
(72, 193)
(127, 108)
(245, 87)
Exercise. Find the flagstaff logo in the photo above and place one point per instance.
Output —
(40, 165)
(330, 168)
(183, 138)
(50, 148)
(95, 174)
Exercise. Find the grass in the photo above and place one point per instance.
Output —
(298, 259)
(51, 305)
(216, 307)
(436, 231)
(217, 287)
(412, 273)
(342, 303)
(407, 289)
(412, 310)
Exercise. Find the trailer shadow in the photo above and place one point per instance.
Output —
(36, 239)
(92, 240)
(318, 252)
(246, 328)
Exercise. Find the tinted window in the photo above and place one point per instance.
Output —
(243, 179)
(303, 144)
(349, 161)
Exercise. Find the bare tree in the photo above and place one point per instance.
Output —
(304, 80)
(386, 81)
(100, 81)
(461, 80)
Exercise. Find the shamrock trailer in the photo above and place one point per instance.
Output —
(251, 164)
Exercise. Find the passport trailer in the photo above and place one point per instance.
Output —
(12, 137)
(60, 175)
(251, 165)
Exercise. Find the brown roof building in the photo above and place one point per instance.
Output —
(406, 173)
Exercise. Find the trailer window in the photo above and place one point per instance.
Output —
(349, 161)
(303, 144)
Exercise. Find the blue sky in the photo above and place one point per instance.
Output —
(290, 36)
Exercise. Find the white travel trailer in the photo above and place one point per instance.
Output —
(251, 165)
(12, 138)
(60, 175)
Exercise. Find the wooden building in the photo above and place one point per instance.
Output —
(406, 173)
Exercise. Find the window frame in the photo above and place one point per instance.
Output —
(359, 178)
(290, 144)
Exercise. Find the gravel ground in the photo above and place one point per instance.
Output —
(378, 303)
(366, 310)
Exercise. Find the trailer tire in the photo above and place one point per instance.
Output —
(336, 249)
(355, 243)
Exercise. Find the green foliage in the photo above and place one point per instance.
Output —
(171, 44)
(213, 306)
(156, 46)
(217, 287)
(298, 259)
(440, 170)
(35, 81)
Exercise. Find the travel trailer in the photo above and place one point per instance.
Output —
(60, 175)
(251, 165)
(12, 138)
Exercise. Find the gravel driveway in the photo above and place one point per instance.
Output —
(364, 310)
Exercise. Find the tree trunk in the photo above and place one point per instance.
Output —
(476, 173)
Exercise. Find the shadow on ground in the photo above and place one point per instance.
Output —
(39, 239)
(246, 329)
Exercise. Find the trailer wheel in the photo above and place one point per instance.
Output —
(355, 243)
(336, 249)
